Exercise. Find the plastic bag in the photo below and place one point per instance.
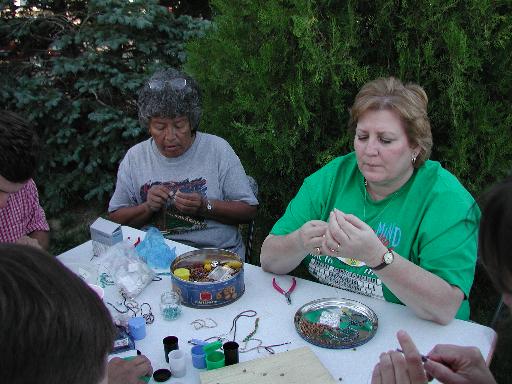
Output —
(154, 251)
(129, 272)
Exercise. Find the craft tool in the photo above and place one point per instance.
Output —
(281, 291)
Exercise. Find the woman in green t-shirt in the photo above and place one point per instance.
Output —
(384, 221)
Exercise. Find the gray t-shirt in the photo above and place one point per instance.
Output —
(209, 167)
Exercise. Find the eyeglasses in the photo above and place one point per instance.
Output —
(177, 84)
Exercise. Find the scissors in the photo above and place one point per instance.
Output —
(281, 291)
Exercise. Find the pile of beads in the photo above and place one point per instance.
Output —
(206, 271)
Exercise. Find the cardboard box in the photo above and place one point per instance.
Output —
(104, 234)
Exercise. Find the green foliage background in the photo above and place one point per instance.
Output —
(279, 76)
(73, 68)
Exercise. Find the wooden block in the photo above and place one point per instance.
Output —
(296, 366)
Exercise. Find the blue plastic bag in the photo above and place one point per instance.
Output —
(154, 251)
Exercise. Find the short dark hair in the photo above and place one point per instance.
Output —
(495, 234)
(53, 327)
(170, 93)
(19, 148)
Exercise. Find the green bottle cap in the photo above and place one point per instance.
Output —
(215, 360)
(211, 347)
(143, 378)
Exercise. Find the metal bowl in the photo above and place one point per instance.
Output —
(336, 323)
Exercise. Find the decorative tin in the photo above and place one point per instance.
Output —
(206, 264)
(336, 323)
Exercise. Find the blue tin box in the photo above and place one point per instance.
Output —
(208, 294)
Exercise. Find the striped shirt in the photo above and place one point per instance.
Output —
(22, 214)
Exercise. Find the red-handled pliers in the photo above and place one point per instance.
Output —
(281, 291)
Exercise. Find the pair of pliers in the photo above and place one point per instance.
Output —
(281, 291)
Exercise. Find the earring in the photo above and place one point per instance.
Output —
(413, 159)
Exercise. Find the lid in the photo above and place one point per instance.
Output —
(104, 226)
(182, 273)
(161, 375)
(211, 347)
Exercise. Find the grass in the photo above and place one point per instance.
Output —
(71, 228)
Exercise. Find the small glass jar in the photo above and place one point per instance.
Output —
(170, 305)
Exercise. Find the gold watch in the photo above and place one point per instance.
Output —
(387, 259)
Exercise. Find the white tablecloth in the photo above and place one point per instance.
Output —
(353, 366)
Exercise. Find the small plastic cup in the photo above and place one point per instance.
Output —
(177, 363)
(231, 352)
(215, 360)
(198, 357)
(170, 344)
(137, 327)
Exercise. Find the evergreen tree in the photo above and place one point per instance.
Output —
(73, 68)
(280, 76)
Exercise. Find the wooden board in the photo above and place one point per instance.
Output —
(296, 366)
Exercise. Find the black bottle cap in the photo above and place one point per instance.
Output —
(161, 375)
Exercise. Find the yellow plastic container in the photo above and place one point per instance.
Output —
(182, 273)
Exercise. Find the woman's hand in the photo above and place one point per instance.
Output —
(404, 367)
(189, 203)
(157, 197)
(122, 371)
(349, 237)
(452, 364)
(281, 254)
(312, 236)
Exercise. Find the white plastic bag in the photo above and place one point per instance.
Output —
(130, 274)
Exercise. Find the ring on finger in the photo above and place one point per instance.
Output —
(317, 250)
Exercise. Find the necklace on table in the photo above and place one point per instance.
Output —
(394, 195)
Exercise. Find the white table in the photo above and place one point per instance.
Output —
(276, 322)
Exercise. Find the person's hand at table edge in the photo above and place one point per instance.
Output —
(122, 371)
(400, 367)
(454, 364)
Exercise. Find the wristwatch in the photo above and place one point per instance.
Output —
(209, 206)
(387, 259)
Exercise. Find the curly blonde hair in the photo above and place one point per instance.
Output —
(409, 101)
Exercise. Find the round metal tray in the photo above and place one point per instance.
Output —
(336, 323)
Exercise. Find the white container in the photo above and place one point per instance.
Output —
(104, 234)
(177, 363)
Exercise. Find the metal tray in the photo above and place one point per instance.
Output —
(336, 323)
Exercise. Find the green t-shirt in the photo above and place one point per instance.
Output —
(432, 220)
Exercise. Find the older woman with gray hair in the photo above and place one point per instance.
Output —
(190, 184)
